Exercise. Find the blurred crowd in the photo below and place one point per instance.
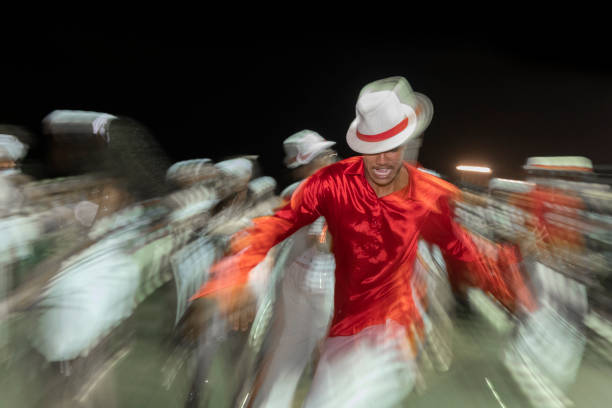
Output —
(115, 225)
(559, 225)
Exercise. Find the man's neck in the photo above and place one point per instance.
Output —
(399, 182)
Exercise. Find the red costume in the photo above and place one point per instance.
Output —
(375, 244)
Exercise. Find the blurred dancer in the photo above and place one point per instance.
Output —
(239, 197)
(12, 151)
(306, 299)
(11, 245)
(120, 255)
(376, 207)
(545, 356)
(127, 258)
(205, 205)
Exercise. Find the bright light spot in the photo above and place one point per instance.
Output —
(477, 169)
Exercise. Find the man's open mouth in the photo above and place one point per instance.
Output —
(382, 172)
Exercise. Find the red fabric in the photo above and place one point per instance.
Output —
(545, 201)
(385, 135)
(375, 243)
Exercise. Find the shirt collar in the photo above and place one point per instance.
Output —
(355, 166)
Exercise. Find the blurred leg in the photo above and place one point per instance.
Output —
(368, 369)
(305, 318)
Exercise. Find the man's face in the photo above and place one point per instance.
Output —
(6, 164)
(383, 168)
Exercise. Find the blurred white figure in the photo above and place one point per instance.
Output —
(124, 254)
(202, 185)
(547, 351)
(94, 290)
(11, 198)
(307, 287)
(241, 197)
(15, 232)
(11, 151)
(84, 302)
(435, 307)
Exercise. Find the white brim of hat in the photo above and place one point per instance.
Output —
(11, 148)
(319, 147)
(413, 130)
(240, 168)
(559, 163)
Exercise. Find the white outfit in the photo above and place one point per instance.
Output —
(546, 354)
(377, 367)
(306, 303)
(373, 368)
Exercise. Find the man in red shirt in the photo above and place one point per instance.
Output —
(376, 206)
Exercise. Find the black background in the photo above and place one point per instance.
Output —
(499, 96)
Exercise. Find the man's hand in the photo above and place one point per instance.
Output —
(237, 306)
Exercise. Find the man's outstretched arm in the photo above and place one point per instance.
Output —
(491, 267)
(229, 277)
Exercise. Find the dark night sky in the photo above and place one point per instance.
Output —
(498, 98)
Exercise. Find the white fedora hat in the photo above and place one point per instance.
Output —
(240, 168)
(303, 146)
(78, 123)
(191, 171)
(389, 113)
(11, 148)
(261, 186)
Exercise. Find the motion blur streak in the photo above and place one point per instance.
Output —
(102, 252)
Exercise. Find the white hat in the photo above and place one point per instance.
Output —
(516, 186)
(302, 147)
(389, 113)
(11, 148)
(559, 163)
(77, 122)
(239, 168)
(262, 186)
(190, 171)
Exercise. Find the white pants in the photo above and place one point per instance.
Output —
(307, 305)
(546, 354)
(373, 368)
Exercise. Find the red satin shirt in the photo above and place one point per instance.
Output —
(374, 243)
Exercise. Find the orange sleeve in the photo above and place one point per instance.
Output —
(478, 262)
(250, 246)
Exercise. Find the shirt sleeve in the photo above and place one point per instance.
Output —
(492, 267)
(250, 246)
